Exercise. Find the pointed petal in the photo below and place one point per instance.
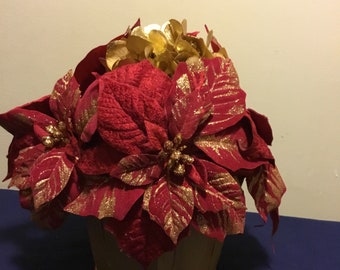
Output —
(137, 170)
(85, 115)
(257, 148)
(89, 65)
(228, 97)
(267, 188)
(171, 206)
(51, 215)
(64, 97)
(217, 225)
(209, 199)
(136, 232)
(23, 165)
(128, 96)
(223, 149)
(223, 193)
(262, 126)
(49, 176)
(103, 198)
(19, 120)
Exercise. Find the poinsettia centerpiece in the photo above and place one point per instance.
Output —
(151, 135)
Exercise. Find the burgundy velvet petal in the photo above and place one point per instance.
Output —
(217, 92)
(137, 170)
(89, 65)
(98, 159)
(64, 97)
(224, 149)
(49, 175)
(19, 121)
(218, 225)
(267, 188)
(140, 237)
(103, 198)
(85, 115)
(18, 143)
(129, 96)
(170, 205)
(262, 126)
(23, 165)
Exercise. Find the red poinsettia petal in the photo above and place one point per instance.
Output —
(89, 65)
(188, 113)
(105, 198)
(137, 170)
(128, 96)
(267, 188)
(189, 104)
(223, 192)
(258, 148)
(140, 237)
(209, 199)
(18, 143)
(85, 115)
(51, 215)
(156, 135)
(49, 175)
(217, 225)
(232, 191)
(228, 98)
(170, 205)
(23, 165)
(223, 148)
(196, 173)
(20, 121)
(206, 196)
(262, 126)
(64, 97)
(214, 84)
(98, 159)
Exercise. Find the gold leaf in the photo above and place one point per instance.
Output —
(115, 52)
(158, 41)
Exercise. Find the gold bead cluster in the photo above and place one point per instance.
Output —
(56, 135)
(175, 159)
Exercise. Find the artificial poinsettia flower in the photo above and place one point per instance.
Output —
(157, 122)
(120, 142)
(44, 151)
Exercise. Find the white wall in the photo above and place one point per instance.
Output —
(287, 54)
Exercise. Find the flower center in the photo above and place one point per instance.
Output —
(56, 135)
(175, 160)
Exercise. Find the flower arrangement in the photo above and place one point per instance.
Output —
(152, 136)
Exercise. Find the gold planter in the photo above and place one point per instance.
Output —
(194, 252)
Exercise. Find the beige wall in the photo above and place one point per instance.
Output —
(287, 53)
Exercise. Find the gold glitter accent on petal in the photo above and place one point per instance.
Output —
(107, 206)
(225, 143)
(184, 84)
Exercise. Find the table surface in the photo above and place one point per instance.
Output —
(299, 243)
